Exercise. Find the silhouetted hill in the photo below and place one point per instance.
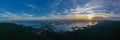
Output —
(106, 30)
(10, 31)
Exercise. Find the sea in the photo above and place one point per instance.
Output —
(60, 25)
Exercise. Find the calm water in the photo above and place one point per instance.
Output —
(60, 25)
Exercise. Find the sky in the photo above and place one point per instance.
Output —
(57, 9)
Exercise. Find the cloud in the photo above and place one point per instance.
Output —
(25, 16)
(91, 7)
(10, 15)
(74, 9)
(31, 6)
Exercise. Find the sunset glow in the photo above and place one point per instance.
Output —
(90, 16)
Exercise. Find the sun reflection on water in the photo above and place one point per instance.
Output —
(90, 23)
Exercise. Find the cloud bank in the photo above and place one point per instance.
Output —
(70, 9)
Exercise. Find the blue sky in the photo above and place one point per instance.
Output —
(56, 8)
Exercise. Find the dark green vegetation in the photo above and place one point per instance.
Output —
(108, 30)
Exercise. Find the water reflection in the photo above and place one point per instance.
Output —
(59, 25)
(90, 23)
(77, 25)
(62, 25)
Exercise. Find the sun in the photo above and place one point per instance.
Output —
(90, 16)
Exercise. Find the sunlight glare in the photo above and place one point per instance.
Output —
(90, 16)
